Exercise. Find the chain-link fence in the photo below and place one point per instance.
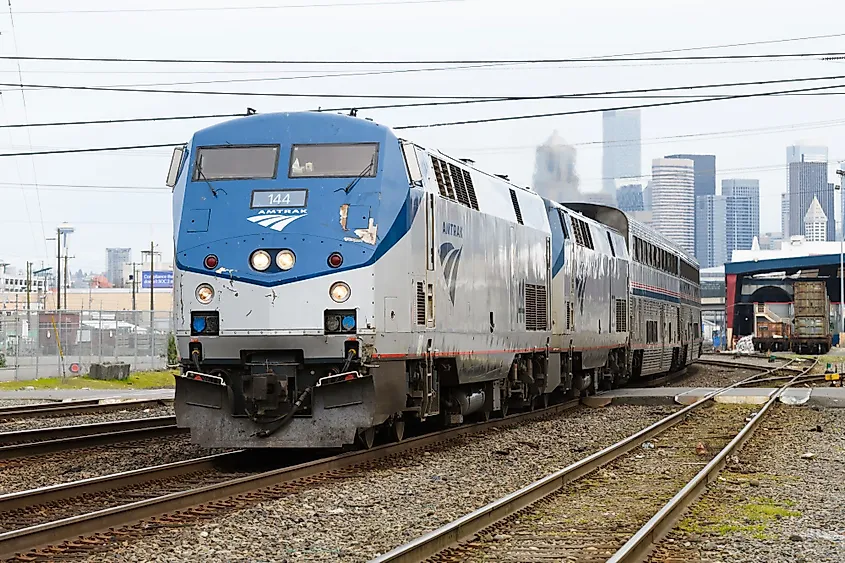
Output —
(66, 343)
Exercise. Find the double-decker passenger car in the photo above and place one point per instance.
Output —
(332, 279)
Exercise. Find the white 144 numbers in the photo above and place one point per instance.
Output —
(279, 199)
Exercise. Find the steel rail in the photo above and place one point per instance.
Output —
(433, 542)
(638, 547)
(46, 405)
(17, 541)
(52, 493)
(738, 365)
(39, 441)
(76, 407)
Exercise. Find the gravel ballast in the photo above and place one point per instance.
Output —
(359, 517)
(79, 419)
(782, 499)
(41, 471)
(703, 375)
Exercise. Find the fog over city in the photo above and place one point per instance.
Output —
(119, 199)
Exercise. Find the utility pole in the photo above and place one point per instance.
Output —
(28, 284)
(66, 284)
(132, 277)
(152, 277)
(58, 268)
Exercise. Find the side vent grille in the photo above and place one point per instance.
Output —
(460, 186)
(441, 173)
(420, 303)
(454, 183)
(535, 307)
(583, 236)
(621, 316)
(473, 200)
(516, 207)
(570, 315)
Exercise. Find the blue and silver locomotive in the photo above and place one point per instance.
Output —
(333, 280)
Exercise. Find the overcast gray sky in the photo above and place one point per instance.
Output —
(469, 29)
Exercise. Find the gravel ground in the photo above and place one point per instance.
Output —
(701, 375)
(781, 500)
(589, 519)
(79, 419)
(52, 469)
(356, 518)
(22, 402)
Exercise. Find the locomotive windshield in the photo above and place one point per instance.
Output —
(334, 161)
(233, 162)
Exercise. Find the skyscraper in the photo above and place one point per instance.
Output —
(555, 177)
(743, 208)
(673, 200)
(711, 240)
(704, 168)
(116, 258)
(784, 216)
(621, 149)
(815, 222)
(630, 198)
(807, 180)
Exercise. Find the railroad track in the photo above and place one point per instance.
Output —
(35, 523)
(25, 443)
(746, 365)
(88, 406)
(629, 503)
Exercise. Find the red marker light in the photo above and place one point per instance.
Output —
(211, 261)
(335, 259)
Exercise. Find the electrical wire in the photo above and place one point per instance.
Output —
(237, 8)
(617, 94)
(28, 132)
(93, 149)
(466, 122)
(452, 99)
(384, 62)
(123, 120)
(598, 110)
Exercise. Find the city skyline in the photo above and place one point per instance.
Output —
(120, 196)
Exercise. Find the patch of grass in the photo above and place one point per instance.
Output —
(764, 512)
(137, 380)
(749, 519)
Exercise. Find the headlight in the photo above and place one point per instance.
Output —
(205, 293)
(339, 292)
(260, 260)
(285, 259)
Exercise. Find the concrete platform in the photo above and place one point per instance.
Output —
(80, 394)
(831, 397)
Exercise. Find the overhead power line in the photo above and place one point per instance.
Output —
(610, 94)
(93, 149)
(238, 8)
(598, 110)
(406, 62)
(452, 98)
(122, 120)
(468, 122)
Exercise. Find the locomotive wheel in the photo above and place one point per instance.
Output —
(367, 437)
(397, 430)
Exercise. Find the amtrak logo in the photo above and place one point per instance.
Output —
(450, 259)
(580, 289)
(275, 222)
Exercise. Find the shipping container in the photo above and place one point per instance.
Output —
(810, 299)
(773, 329)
